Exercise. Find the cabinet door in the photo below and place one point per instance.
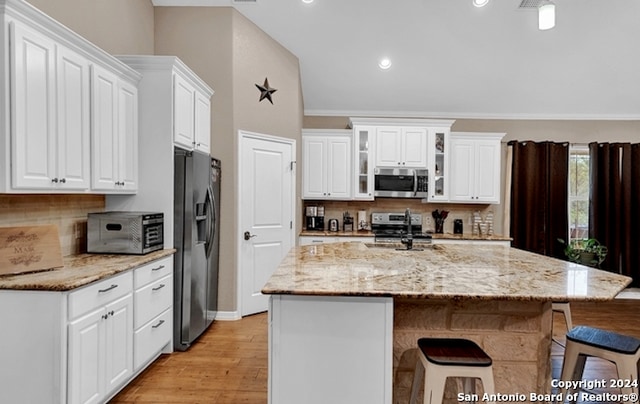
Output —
(487, 171)
(73, 146)
(203, 123)
(388, 147)
(364, 149)
(86, 346)
(33, 134)
(414, 147)
(104, 129)
(118, 343)
(183, 112)
(439, 173)
(127, 137)
(463, 180)
(339, 168)
(314, 154)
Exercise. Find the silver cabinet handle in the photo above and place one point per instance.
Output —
(162, 285)
(157, 268)
(158, 325)
(108, 289)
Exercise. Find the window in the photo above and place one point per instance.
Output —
(578, 192)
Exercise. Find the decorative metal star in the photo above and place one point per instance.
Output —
(266, 91)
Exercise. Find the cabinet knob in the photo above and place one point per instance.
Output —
(54, 180)
(63, 180)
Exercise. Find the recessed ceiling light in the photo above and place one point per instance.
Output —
(307, 1)
(480, 3)
(384, 63)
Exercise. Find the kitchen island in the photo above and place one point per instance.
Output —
(345, 317)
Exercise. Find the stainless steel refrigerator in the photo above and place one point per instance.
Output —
(196, 231)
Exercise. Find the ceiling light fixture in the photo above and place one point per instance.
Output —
(546, 15)
(307, 1)
(480, 3)
(384, 63)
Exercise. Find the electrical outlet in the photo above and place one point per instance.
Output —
(427, 222)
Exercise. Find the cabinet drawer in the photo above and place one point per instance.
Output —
(152, 300)
(99, 294)
(152, 271)
(150, 339)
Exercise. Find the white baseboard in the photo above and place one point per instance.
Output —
(228, 316)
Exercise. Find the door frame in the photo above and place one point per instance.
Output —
(242, 135)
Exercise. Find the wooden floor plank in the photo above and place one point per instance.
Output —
(228, 364)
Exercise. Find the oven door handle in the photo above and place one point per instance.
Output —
(415, 182)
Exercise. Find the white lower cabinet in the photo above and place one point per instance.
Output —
(100, 339)
(309, 240)
(330, 349)
(84, 345)
(153, 319)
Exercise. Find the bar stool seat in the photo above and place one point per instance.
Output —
(441, 358)
(584, 341)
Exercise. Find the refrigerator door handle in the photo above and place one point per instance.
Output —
(211, 220)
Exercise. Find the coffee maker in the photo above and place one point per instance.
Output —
(315, 217)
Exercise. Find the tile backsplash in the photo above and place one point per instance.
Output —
(335, 210)
(68, 212)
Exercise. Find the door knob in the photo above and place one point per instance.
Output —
(248, 235)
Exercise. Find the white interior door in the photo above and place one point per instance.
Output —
(267, 198)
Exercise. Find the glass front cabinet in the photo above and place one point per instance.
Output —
(363, 160)
(438, 164)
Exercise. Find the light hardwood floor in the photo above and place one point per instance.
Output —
(228, 364)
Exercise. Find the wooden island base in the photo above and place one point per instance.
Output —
(515, 334)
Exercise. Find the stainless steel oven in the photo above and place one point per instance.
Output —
(401, 182)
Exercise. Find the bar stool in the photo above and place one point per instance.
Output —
(441, 358)
(583, 341)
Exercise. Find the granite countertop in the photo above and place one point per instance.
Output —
(439, 272)
(435, 236)
(80, 270)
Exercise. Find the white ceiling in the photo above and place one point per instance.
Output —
(453, 60)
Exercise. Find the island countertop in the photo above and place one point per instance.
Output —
(482, 272)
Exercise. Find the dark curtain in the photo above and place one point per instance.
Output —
(614, 216)
(539, 197)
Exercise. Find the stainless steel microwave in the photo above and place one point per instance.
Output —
(401, 182)
(125, 232)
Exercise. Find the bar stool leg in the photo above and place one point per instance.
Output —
(434, 385)
(572, 365)
(418, 374)
(628, 371)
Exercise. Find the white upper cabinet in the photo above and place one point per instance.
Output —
(183, 112)
(51, 115)
(191, 114)
(475, 167)
(327, 171)
(73, 120)
(48, 98)
(202, 122)
(363, 145)
(401, 147)
(114, 132)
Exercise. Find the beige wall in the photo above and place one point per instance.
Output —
(231, 54)
(116, 26)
